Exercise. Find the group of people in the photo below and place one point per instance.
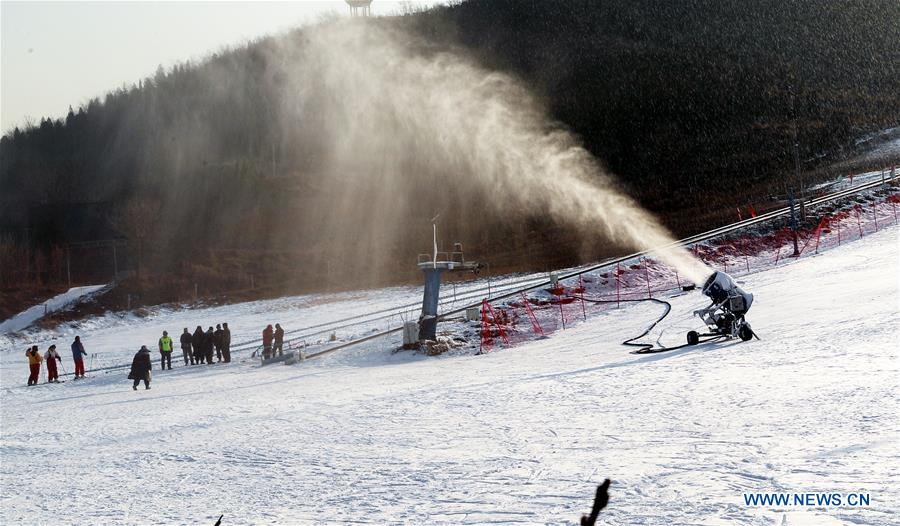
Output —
(273, 341)
(52, 357)
(198, 348)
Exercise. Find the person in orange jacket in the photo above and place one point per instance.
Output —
(268, 336)
(34, 364)
(52, 357)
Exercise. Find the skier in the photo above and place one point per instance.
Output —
(197, 343)
(141, 367)
(186, 347)
(267, 342)
(78, 353)
(219, 341)
(52, 357)
(34, 364)
(226, 343)
(165, 351)
(279, 340)
(208, 342)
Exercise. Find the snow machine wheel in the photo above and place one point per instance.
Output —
(745, 333)
(693, 338)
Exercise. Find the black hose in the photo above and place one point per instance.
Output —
(648, 348)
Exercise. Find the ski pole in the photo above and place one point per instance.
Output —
(66, 373)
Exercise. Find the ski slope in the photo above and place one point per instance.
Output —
(60, 301)
(517, 436)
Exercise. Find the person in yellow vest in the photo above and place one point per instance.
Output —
(34, 364)
(165, 351)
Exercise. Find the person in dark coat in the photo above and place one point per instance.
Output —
(78, 354)
(219, 342)
(226, 343)
(197, 343)
(279, 340)
(141, 367)
(268, 335)
(208, 344)
(186, 346)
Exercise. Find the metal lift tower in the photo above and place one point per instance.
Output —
(360, 7)
(433, 267)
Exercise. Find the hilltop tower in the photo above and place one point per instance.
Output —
(360, 7)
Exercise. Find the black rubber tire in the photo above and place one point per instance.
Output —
(745, 333)
(693, 338)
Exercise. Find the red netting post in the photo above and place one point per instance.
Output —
(534, 322)
(647, 276)
(858, 222)
(839, 229)
(562, 313)
(677, 281)
(617, 286)
(819, 233)
(725, 262)
(486, 340)
(894, 206)
(497, 323)
(875, 215)
(581, 286)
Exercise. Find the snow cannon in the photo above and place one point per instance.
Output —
(724, 318)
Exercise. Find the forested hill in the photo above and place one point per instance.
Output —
(663, 89)
(688, 103)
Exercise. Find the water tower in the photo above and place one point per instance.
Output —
(360, 7)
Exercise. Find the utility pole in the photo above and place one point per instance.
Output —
(793, 221)
(796, 146)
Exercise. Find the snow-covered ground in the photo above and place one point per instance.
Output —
(60, 301)
(519, 435)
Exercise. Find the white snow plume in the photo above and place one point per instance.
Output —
(398, 118)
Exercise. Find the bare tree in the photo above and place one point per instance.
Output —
(137, 219)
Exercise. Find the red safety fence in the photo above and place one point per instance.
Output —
(555, 308)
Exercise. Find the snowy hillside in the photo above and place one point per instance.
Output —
(520, 435)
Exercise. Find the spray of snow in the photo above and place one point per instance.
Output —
(395, 116)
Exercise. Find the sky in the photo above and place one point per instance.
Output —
(59, 54)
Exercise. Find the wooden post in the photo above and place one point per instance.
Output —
(583, 310)
(617, 286)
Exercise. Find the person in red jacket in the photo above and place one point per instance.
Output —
(34, 364)
(52, 357)
(268, 336)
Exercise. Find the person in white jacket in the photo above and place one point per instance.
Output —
(51, 356)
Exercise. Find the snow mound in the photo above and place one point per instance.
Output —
(25, 318)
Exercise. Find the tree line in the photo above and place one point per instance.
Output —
(695, 105)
